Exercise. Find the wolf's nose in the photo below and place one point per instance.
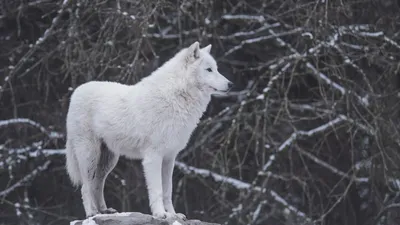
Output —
(230, 84)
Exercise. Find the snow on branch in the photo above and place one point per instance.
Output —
(331, 168)
(259, 39)
(17, 151)
(333, 42)
(256, 212)
(295, 135)
(53, 24)
(363, 31)
(370, 34)
(296, 54)
(240, 185)
(164, 35)
(16, 155)
(387, 39)
(34, 47)
(369, 130)
(316, 73)
(248, 33)
(47, 152)
(22, 120)
(341, 89)
(22, 153)
(244, 17)
(281, 200)
(25, 179)
(272, 80)
(50, 134)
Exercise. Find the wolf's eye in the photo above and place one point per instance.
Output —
(209, 69)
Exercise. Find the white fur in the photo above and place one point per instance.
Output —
(151, 120)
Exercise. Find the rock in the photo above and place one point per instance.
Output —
(134, 218)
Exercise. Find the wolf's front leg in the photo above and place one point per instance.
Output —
(167, 172)
(152, 164)
(89, 201)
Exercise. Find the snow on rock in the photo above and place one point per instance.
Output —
(176, 223)
(89, 221)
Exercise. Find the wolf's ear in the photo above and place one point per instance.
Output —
(193, 51)
(207, 48)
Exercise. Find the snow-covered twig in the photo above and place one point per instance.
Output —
(27, 204)
(295, 135)
(272, 80)
(368, 130)
(331, 168)
(318, 74)
(47, 32)
(370, 34)
(18, 151)
(259, 39)
(281, 200)
(256, 212)
(35, 46)
(22, 120)
(326, 79)
(244, 17)
(363, 31)
(47, 152)
(302, 107)
(163, 35)
(25, 179)
(332, 42)
(240, 185)
(50, 134)
(23, 153)
(235, 211)
(353, 46)
(335, 85)
(395, 44)
(248, 33)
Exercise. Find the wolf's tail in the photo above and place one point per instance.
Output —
(72, 165)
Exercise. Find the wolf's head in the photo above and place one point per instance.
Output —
(203, 70)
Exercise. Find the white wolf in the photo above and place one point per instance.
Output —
(151, 120)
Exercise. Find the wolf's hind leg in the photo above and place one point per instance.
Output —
(88, 155)
(108, 160)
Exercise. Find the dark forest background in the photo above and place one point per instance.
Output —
(309, 135)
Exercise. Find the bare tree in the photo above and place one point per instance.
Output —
(310, 135)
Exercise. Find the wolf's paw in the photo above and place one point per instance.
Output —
(91, 214)
(108, 211)
(163, 215)
(181, 216)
